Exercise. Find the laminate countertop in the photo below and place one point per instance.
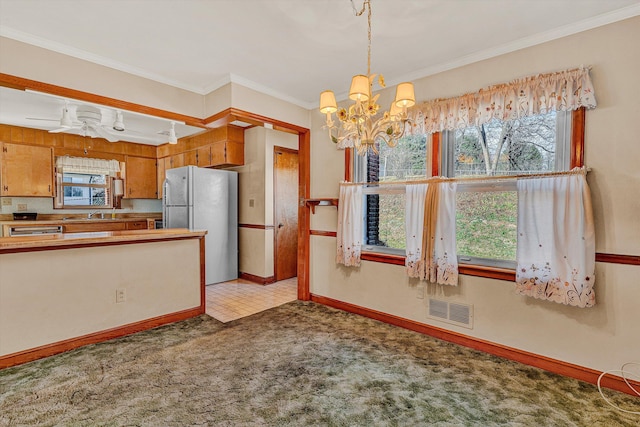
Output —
(101, 238)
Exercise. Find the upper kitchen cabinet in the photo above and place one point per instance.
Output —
(140, 178)
(26, 170)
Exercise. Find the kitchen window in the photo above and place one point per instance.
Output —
(84, 182)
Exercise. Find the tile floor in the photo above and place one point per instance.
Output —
(239, 298)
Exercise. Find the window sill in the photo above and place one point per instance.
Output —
(466, 269)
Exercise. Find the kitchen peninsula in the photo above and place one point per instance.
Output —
(59, 292)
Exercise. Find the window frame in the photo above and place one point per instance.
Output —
(576, 159)
(61, 185)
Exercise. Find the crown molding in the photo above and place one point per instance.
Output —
(20, 36)
(536, 39)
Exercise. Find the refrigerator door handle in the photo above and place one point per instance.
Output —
(165, 211)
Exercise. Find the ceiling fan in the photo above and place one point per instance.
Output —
(89, 123)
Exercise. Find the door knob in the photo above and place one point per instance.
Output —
(280, 225)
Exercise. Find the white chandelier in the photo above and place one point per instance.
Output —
(360, 125)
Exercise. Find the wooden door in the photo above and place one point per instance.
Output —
(285, 202)
(26, 170)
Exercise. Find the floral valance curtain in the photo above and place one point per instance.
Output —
(88, 166)
(556, 240)
(561, 91)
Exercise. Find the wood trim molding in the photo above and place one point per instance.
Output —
(577, 138)
(96, 337)
(323, 233)
(257, 226)
(53, 247)
(435, 153)
(304, 214)
(490, 272)
(552, 365)
(385, 258)
(21, 83)
(348, 164)
(618, 259)
(258, 279)
(225, 117)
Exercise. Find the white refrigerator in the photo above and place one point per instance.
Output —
(206, 199)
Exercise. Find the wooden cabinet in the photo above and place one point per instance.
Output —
(176, 161)
(26, 170)
(104, 225)
(227, 153)
(91, 226)
(191, 158)
(161, 169)
(140, 178)
(204, 156)
(137, 225)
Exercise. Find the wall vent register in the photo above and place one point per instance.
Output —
(455, 313)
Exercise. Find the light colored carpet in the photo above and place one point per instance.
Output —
(295, 365)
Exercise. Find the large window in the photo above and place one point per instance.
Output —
(486, 212)
(384, 205)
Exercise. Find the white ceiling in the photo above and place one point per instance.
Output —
(294, 49)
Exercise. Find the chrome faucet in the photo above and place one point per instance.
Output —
(91, 214)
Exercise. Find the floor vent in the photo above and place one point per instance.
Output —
(455, 313)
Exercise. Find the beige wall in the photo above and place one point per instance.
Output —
(31, 62)
(35, 63)
(603, 337)
(50, 296)
(255, 182)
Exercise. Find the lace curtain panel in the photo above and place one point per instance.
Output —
(87, 166)
(349, 236)
(430, 224)
(561, 91)
(556, 240)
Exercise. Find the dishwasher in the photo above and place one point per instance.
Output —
(35, 230)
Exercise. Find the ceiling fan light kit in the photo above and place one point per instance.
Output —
(173, 139)
(118, 124)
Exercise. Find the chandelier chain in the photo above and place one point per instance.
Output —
(365, 5)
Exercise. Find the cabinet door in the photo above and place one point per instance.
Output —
(26, 170)
(141, 178)
(161, 174)
(191, 158)
(204, 156)
(177, 160)
(137, 225)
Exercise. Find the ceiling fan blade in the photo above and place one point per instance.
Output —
(61, 130)
(44, 120)
(100, 131)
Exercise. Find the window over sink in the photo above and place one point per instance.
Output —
(84, 183)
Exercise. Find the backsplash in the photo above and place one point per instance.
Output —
(44, 205)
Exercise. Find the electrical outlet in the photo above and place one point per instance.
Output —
(22, 207)
(6, 201)
(251, 203)
(121, 295)
(420, 291)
